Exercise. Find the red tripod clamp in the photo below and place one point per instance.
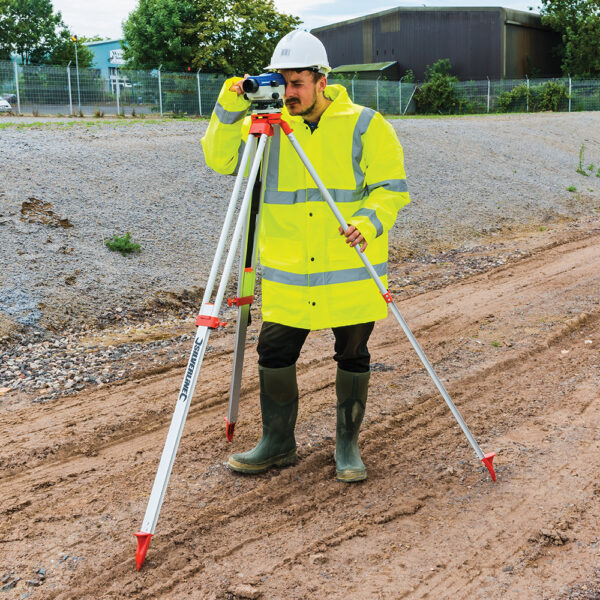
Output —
(262, 123)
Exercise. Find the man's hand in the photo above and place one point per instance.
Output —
(237, 87)
(353, 237)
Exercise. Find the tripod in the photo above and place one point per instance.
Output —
(261, 130)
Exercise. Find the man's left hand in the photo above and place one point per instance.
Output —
(353, 237)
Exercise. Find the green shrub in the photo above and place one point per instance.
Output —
(514, 100)
(437, 95)
(553, 96)
(124, 245)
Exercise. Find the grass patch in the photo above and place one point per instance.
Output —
(571, 188)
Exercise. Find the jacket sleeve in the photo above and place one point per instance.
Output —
(387, 192)
(227, 131)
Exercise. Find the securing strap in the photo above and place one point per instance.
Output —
(387, 297)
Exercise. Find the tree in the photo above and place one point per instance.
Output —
(229, 36)
(64, 51)
(578, 21)
(35, 25)
(239, 37)
(6, 28)
(155, 33)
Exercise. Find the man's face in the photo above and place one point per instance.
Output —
(301, 91)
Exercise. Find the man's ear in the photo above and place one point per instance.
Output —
(322, 84)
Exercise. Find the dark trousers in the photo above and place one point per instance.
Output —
(279, 346)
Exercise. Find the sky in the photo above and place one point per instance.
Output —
(104, 18)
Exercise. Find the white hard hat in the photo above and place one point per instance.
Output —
(300, 50)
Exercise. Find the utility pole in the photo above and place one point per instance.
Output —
(74, 38)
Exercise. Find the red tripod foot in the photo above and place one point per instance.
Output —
(142, 547)
(229, 430)
(487, 460)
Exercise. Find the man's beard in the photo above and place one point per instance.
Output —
(309, 109)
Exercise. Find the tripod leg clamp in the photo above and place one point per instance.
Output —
(240, 301)
(208, 321)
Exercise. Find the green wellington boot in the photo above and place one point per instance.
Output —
(279, 408)
(351, 389)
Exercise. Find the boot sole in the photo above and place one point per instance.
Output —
(282, 460)
(348, 476)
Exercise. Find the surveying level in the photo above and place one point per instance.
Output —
(264, 120)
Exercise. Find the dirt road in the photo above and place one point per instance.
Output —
(519, 350)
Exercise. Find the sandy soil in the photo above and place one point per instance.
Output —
(519, 350)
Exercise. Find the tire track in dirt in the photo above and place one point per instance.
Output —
(270, 526)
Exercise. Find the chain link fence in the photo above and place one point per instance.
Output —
(52, 90)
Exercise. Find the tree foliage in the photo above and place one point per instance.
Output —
(227, 36)
(578, 21)
(31, 29)
(155, 34)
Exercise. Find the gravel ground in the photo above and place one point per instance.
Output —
(68, 187)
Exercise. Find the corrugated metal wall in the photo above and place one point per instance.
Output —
(529, 51)
(472, 39)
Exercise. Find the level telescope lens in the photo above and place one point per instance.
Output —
(250, 85)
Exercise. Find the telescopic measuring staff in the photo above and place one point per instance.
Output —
(266, 93)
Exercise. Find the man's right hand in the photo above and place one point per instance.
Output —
(237, 87)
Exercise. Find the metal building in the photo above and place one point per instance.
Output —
(481, 42)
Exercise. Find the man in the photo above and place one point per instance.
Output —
(310, 278)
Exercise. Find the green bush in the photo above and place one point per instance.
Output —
(552, 96)
(514, 100)
(437, 95)
(124, 245)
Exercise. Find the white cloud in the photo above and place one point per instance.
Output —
(93, 17)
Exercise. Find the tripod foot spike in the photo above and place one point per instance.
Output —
(229, 430)
(143, 540)
(487, 460)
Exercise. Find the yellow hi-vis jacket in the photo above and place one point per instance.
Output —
(310, 277)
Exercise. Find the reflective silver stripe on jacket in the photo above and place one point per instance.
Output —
(241, 149)
(310, 195)
(228, 117)
(369, 212)
(393, 185)
(360, 129)
(326, 278)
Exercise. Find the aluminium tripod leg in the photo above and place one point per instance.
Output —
(244, 299)
(207, 320)
(485, 458)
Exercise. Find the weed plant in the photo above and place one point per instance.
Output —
(124, 245)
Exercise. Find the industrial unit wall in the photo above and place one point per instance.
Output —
(480, 42)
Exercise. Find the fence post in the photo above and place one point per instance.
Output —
(569, 92)
(377, 92)
(69, 84)
(527, 99)
(118, 94)
(488, 98)
(17, 86)
(199, 95)
(400, 95)
(353, 86)
(160, 91)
